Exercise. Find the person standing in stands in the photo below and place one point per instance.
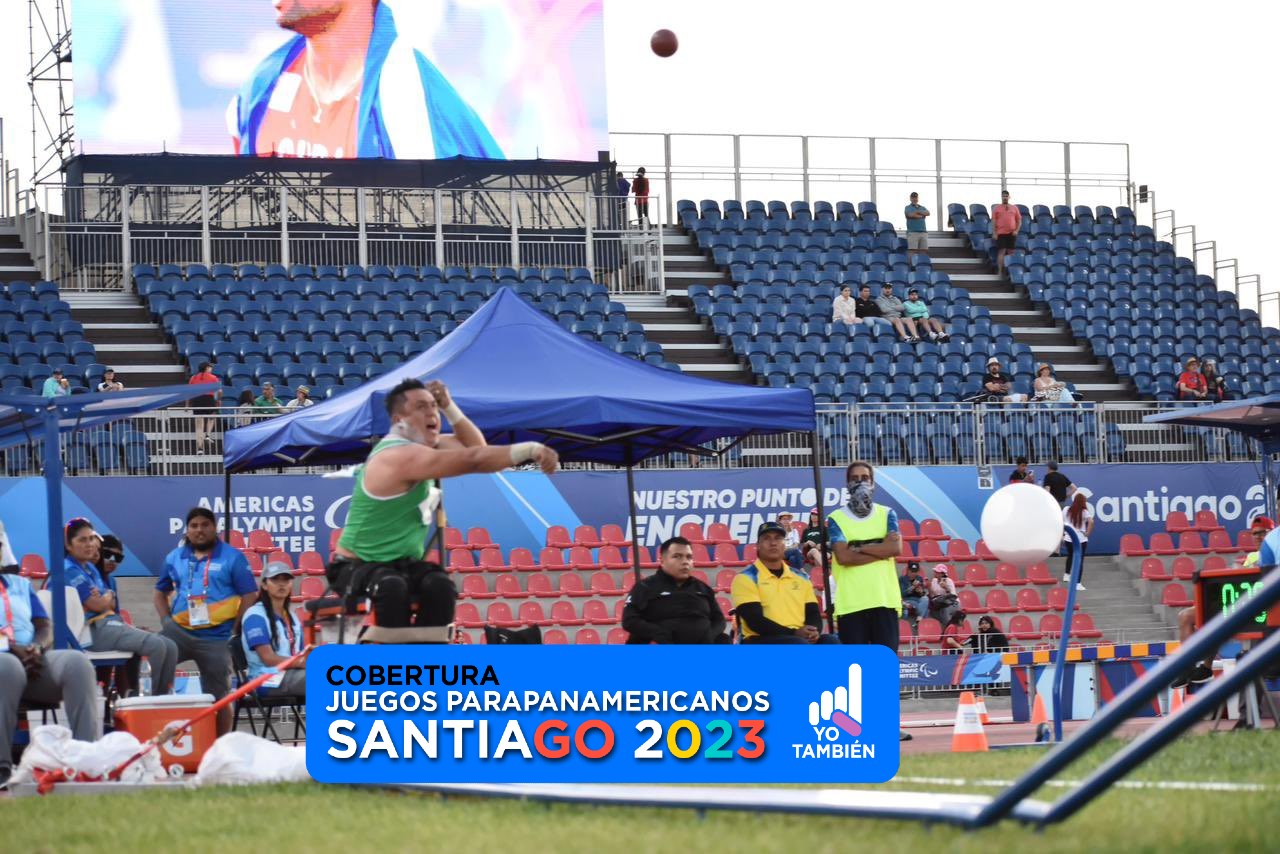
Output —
(1079, 518)
(671, 606)
(1058, 484)
(203, 407)
(1006, 220)
(865, 542)
(102, 607)
(1022, 474)
(640, 186)
(1191, 383)
(774, 603)
(205, 586)
(917, 231)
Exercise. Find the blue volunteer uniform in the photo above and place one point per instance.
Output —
(255, 632)
(207, 591)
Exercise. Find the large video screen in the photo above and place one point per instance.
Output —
(402, 79)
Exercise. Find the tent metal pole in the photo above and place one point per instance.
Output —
(631, 506)
(53, 507)
(226, 505)
(828, 604)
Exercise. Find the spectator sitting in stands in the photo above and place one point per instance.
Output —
(1191, 383)
(811, 541)
(868, 309)
(952, 633)
(998, 385)
(918, 313)
(1049, 389)
(1022, 474)
(110, 554)
(56, 385)
(892, 310)
(271, 633)
(1214, 384)
(943, 599)
(671, 605)
(986, 639)
(915, 594)
(774, 603)
(267, 403)
(844, 309)
(794, 555)
(109, 381)
(245, 409)
(301, 400)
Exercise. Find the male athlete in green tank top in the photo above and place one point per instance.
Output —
(393, 506)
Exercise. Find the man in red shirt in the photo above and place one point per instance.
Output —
(204, 406)
(640, 186)
(1006, 220)
(1191, 384)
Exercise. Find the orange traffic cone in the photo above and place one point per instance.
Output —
(1177, 697)
(982, 711)
(1038, 714)
(968, 737)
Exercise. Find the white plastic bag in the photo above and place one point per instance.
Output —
(239, 758)
(53, 749)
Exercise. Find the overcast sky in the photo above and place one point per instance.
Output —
(1190, 87)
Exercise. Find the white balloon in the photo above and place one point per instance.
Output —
(1022, 524)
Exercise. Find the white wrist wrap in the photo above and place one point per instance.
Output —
(454, 414)
(522, 452)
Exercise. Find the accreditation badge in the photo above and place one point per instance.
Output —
(198, 611)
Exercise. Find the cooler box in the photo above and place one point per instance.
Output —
(144, 717)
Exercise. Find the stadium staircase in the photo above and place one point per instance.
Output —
(1050, 339)
(15, 262)
(1123, 614)
(126, 338)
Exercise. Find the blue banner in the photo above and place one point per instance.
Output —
(938, 671)
(577, 714)
(300, 511)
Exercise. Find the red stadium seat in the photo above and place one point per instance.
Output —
(1021, 628)
(564, 614)
(312, 563)
(1057, 599)
(278, 556)
(475, 587)
(1206, 521)
(571, 585)
(508, 587)
(701, 557)
(970, 603)
(1153, 569)
(32, 566)
(462, 637)
(611, 558)
(540, 586)
(580, 558)
(998, 601)
(724, 580)
(958, 550)
(628, 581)
(453, 539)
(551, 558)
(906, 557)
(467, 615)
(1220, 542)
(718, 532)
(612, 535)
(1214, 562)
(726, 607)
(491, 560)
(1131, 546)
(1190, 542)
(931, 529)
(602, 584)
(586, 536)
(1176, 522)
(558, 537)
(236, 540)
(1051, 625)
(1246, 542)
(1082, 627)
(522, 560)
(701, 576)
(617, 636)
(618, 607)
(1162, 544)
(555, 637)
(530, 614)
(311, 587)
(1028, 599)
(692, 532)
(1175, 596)
(748, 554)
(596, 613)
(255, 562)
(1183, 568)
(819, 583)
(648, 560)
(727, 556)
(907, 530)
(1038, 573)
(929, 630)
(983, 552)
(462, 560)
(478, 538)
(499, 614)
(587, 637)
(1008, 575)
(975, 575)
(261, 542)
(905, 636)
(930, 552)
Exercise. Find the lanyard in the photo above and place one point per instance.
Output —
(288, 628)
(191, 574)
(7, 628)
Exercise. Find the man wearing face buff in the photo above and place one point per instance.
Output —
(864, 542)
(381, 553)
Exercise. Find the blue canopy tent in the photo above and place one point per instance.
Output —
(26, 419)
(522, 377)
(1257, 418)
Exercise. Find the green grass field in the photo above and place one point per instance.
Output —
(320, 818)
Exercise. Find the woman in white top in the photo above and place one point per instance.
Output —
(844, 307)
(1049, 388)
(1079, 518)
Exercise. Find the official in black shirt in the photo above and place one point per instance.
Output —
(1058, 484)
(671, 606)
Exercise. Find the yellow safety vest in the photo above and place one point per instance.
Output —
(871, 585)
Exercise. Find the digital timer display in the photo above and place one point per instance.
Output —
(1225, 591)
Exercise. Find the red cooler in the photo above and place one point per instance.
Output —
(144, 717)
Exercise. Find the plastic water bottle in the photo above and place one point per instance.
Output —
(144, 679)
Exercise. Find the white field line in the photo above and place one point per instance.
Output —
(1176, 785)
